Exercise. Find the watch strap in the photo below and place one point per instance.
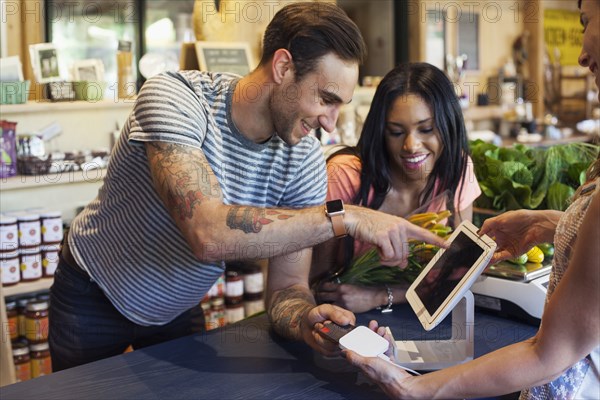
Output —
(339, 229)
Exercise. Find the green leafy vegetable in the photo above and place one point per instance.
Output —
(530, 178)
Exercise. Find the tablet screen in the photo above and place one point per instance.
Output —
(447, 272)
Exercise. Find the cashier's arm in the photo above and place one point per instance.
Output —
(570, 330)
(291, 306)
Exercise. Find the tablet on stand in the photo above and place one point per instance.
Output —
(443, 287)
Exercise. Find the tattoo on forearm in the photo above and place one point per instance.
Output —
(287, 308)
(251, 219)
(192, 173)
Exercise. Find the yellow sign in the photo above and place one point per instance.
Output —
(563, 35)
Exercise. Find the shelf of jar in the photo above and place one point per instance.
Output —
(62, 178)
(27, 287)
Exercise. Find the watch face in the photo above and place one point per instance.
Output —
(335, 206)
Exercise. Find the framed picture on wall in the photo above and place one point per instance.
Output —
(91, 70)
(44, 61)
(234, 57)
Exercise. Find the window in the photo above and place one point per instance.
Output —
(91, 29)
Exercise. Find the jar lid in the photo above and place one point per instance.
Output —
(23, 301)
(7, 220)
(45, 296)
(37, 306)
(20, 351)
(124, 45)
(218, 301)
(232, 273)
(51, 247)
(51, 214)
(9, 253)
(26, 216)
(30, 250)
(43, 346)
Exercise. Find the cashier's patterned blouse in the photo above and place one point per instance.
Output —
(582, 380)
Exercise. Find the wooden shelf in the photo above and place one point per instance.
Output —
(574, 138)
(481, 113)
(574, 77)
(27, 287)
(61, 106)
(63, 178)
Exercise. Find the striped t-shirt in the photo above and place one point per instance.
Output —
(126, 239)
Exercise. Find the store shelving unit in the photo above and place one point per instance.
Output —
(85, 125)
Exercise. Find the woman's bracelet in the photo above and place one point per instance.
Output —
(390, 299)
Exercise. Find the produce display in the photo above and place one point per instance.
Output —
(530, 178)
(366, 269)
(535, 255)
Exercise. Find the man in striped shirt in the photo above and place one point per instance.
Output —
(213, 167)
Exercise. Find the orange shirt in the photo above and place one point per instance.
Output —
(343, 182)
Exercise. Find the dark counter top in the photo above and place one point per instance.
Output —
(244, 361)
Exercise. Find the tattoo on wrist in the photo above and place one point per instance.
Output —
(251, 219)
(287, 309)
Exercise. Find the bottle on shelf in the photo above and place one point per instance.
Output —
(125, 77)
(9, 267)
(41, 363)
(31, 264)
(12, 317)
(21, 360)
(36, 321)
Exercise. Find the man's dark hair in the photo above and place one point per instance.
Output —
(310, 31)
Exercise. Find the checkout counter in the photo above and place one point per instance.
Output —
(244, 361)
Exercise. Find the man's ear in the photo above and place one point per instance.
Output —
(281, 65)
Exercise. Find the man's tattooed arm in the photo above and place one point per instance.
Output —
(251, 219)
(287, 308)
(182, 176)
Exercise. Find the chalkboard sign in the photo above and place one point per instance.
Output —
(224, 57)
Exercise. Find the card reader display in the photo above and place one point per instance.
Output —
(443, 278)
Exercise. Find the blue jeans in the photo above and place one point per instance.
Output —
(85, 326)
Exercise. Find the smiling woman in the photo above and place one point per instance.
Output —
(412, 148)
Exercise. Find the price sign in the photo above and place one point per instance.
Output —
(224, 57)
(563, 31)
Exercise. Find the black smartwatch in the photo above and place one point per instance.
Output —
(334, 209)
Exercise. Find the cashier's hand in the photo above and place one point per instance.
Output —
(313, 321)
(515, 232)
(390, 378)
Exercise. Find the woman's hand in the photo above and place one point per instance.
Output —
(516, 232)
(354, 298)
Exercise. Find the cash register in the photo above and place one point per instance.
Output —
(512, 290)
